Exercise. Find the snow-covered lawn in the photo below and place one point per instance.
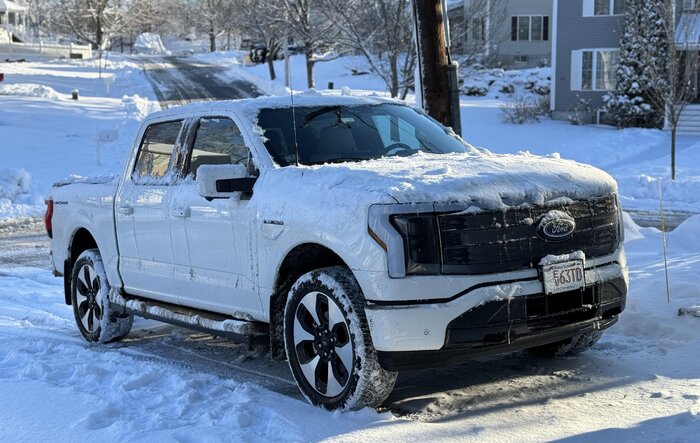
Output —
(45, 135)
(640, 383)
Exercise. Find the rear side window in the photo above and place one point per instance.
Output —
(156, 150)
(218, 141)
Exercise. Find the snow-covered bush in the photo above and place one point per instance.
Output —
(479, 81)
(522, 108)
(581, 113)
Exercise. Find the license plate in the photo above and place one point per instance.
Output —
(563, 277)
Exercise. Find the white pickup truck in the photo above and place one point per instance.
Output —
(355, 235)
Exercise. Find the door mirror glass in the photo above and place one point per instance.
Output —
(221, 181)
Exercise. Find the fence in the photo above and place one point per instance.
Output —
(46, 49)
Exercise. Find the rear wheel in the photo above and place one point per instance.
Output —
(569, 347)
(89, 297)
(328, 344)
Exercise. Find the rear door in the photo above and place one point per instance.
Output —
(219, 234)
(142, 211)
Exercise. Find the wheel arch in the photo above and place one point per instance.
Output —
(80, 241)
(299, 260)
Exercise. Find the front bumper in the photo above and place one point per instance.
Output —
(495, 318)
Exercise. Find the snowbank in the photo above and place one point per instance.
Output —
(29, 90)
(16, 196)
(687, 237)
(149, 43)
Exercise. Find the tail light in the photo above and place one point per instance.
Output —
(48, 216)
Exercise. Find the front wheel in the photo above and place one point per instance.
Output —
(90, 300)
(328, 344)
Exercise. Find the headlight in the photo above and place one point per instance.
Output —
(420, 238)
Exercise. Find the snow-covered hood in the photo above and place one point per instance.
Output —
(479, 178)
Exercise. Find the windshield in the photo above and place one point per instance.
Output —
(333, 134)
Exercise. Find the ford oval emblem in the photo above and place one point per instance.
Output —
(558, 229)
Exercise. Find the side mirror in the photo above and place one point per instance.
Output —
(223, 181)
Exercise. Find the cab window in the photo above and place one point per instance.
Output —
(156, 150)
(217, 141)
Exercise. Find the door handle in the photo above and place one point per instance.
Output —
(126, 210)
(181, 212)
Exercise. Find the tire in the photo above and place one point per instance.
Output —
(328, 344)
(570, 347)
(90, 300)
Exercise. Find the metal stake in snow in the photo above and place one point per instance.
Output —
(663, 239)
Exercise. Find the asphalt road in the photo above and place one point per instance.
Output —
(180, 80)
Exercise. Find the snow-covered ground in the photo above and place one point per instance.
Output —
(640, 383)
(45, 135)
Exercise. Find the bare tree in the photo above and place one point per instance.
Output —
(261, 20)
(382, 31)
(674, 76)
(214, 17)
(478, 29)
(96, 20)
(318, 34)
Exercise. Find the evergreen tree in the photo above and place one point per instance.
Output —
(643, 51)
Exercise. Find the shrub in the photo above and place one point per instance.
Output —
(523, 108)
(581, 113)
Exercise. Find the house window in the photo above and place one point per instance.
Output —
(475, 30)
(529, 28)
(594, 69)
(691, 5)
(520, 60)
(11, 18)
(603, 7)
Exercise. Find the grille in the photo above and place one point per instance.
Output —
(502, 321)
(509, 240)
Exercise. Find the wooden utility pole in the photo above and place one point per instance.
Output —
(437, 91)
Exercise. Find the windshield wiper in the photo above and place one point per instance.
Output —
(325, 110)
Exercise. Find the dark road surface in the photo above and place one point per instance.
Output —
(179, 80)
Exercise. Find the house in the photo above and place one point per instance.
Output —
(512, 33)
(585, 46)
(12, 18)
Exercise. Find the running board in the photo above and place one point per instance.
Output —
(237, 330)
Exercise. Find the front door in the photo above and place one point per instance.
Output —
(218, 234)
(142, 211)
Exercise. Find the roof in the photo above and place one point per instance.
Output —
(251, 106)
(8, 6)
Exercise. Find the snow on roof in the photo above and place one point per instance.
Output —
(688, 30)
(8, 6)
